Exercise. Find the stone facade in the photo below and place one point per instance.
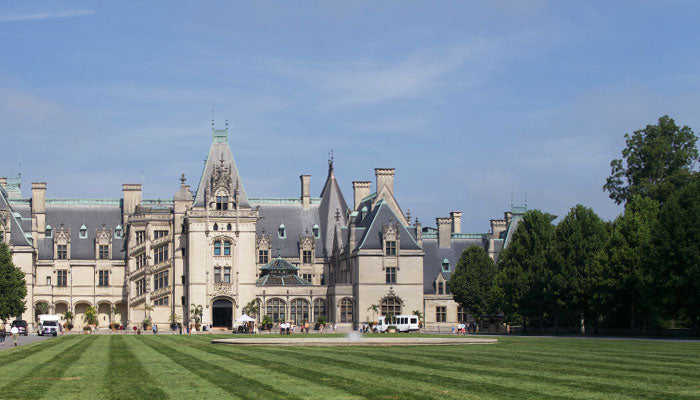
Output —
(134, 259)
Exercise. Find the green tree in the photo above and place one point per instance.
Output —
(473, 283)
(375, 309)
(678, 253)
(656, 161)
(12, 286)
(90, 316)
(526, 275)
(628, 249)
(581, 238)
(252, 308)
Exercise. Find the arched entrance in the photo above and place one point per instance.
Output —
(222, 314)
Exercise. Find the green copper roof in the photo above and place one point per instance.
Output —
(279, 264)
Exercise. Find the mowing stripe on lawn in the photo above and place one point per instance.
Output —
(480, 383)
(25, 351)
(126, 376)
(235, 384)
(36, 382)
(604, 385)
(307, 384)
(305, 370)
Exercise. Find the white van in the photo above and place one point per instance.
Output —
(403, 323)
(49, 324)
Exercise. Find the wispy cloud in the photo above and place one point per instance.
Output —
(46, 15)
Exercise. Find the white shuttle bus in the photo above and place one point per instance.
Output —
(49, 324)
(403, 323)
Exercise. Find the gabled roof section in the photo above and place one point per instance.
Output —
(386, 195)
(380, 215)
(332, 211)
(220, 157)
(17, 235)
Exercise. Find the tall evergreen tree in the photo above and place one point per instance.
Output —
(13, 288)
(581, 238)
(473, 282)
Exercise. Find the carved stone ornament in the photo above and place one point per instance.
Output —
(104, 235)
(390, 231)
(306, 242)
(263, 241)
(62, 235)
(223, 289)
(221, 177)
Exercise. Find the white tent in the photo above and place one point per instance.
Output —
(245, 318)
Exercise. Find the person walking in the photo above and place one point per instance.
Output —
(15, 334)
(3, 332)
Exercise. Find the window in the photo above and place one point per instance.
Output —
(306, 277)
(216, 227)
(48, 232)
(441, 288)
(323, 279)
(217, 248)
(316, 232)
(103, 278)
(281, 232)
(263, 256)
(141, 286)
(445, 265)
(159, 234)
(83, 232)
(160, 254)
(222, 202)
(62, 277)
(141, 261)
(390, 248)
(227, 274)
(48, 281)
(299, 311)
(217, 274)
(391, 305)
(118, 232)
(160, 280)
(228, 227)
(104, 252)
(62, 251)
(306, 256)
(390, 274)
(461, 314)
(161, 302)
(346, 310)
(440, 314)
(319, 309)
(227, 248)
(276, 310)
(140, 237)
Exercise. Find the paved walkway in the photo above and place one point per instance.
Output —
(353, 340)
(23, 340)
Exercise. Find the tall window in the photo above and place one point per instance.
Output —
(83, 232)
(390, 274)
(160, 254)
(62, 277)
(227, 248)
(390, 248)
(160, 280)
(62, 251)
(306, 256)
(217, 274)
(48, 281)
(281, 231)
(104, 251)
(440, 314)
(48, 232)
(103, 278)
(299, 311)
(141, 260)
(461, 314)
(441, 288)
(118, 232)
(227, 274)
(316, 232)
(228, 227)
(263, 256)
(217, 248)
(391, 305)
(346, 310)
(140, 237)
(141, 286)
(276, 310)
(216, 226)
(319, 309)
(222, 202)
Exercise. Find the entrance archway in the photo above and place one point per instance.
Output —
(222, 314)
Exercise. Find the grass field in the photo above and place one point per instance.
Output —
(189, 367)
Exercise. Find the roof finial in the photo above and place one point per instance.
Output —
(182, 179)
(330, 160)
(227, 124)
(337, 215)
(212, 119)
(408, 215)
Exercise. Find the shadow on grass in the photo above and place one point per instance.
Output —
(126, 376)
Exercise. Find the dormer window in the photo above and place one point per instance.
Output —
(217, 248)
(363, 213)
(316, 232)
(49, 232)
(445, 265)
(83, 232)
(222, 203)
(390, 248)
(281, 232)
(118, 232)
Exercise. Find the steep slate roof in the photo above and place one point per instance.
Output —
(218, 151)
(17, 234)
(332, 201)
(380, 215)
(434, 255)
(296, 221)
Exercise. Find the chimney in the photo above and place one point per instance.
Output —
(497, 226)
(360, 190)
(305, 196)
(385, 177)
(456, 217)
(39, 207)
(419, 233)
(131, 198)
(444, 226)
(3, 181)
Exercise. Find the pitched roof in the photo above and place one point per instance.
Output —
(296, 221)
(382, 214)
(332, 204)
(434, 256)
(279, 265)
(17, 234)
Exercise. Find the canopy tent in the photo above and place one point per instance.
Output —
(245, 318)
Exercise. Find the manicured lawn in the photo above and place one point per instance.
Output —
(189, 367)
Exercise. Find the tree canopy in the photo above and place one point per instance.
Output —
(473, 282)
(13, 288)
(656, 160)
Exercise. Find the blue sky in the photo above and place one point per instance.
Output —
(469, 101)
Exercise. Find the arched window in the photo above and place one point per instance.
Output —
(445, 265)
(346, 310)
(83, 232)
(217, 248)
(227, 248)
(299, 311)
(216, 226)
(319, 309)
(228, 227)
(281, 232)
(391, 305)
(49, 232)
(316, 231)
(118, 232)
(276, 310)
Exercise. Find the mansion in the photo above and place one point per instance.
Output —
(299, 258)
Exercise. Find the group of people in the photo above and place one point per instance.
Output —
(366, 328)
(14, 331)
(463, 328)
